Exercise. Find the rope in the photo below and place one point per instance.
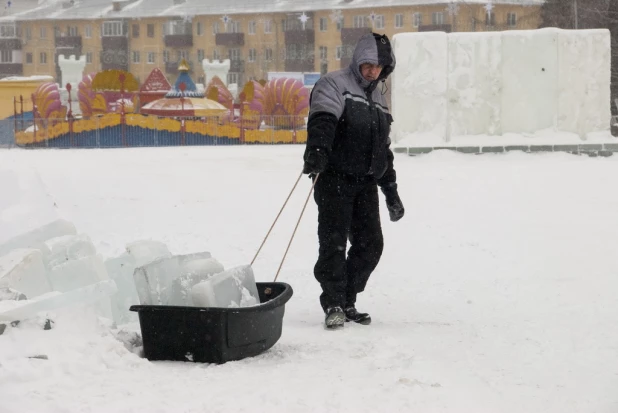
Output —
(296, 227)
(278, 215)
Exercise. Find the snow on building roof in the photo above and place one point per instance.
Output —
(97, 9)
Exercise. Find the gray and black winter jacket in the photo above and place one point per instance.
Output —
(349, 119)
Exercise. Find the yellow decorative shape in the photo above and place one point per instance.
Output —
(258, 136)
(301, 136)
(110, 80)
(282, 136)
(229, 131)
(99, 105)
(171, 125)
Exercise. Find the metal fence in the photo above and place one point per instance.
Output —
(134, 130)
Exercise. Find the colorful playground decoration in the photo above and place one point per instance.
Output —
(184, 107)
(184, 100)
(216, 90)
(155, 87)
(47, 106)
(252, 105)
(286, 103)
(90, 102)
(177, 113)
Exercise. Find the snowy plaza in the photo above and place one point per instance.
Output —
(496, 292)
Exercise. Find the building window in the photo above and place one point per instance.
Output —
(216, 55)
(511, 19)
(378, 22)
(150, 30)
(340, 23)
(199, 29)
(437, 18)
(43, 58)
(28, 58)
(43, 32)
(166, 56)
(8, 30)
(490, 19)
(233, 27)
(234, 54)
(360, 21)
(88, 57)
(177, 27)
(183, 54)
(398, 21)
(88, 31)
(6, 56)
(28, 33)
(232, 78)
(339, 54)
(417, 19)
(252, 26)
(292, 52)
(323, 24)
(151, 58)
(268, 54)
(268, 26)
(114, 28)
(252, 55)
(215, 28)
(135, 56)
(72, 31)
(135, 30)
(323, 52)
(200, 55)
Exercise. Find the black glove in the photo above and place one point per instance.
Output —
(315, 161)
(393, 202)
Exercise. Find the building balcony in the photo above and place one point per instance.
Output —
(350, 36)
(300, 65)
(115, 43)
(10, 44)
(114, 59)
(11, 69)
(230, 39)
(237, 66)
(178, 40)
(300, 36)
(435, 28)
(172, 67)
(68, 42)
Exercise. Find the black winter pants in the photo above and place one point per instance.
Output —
(348, 209)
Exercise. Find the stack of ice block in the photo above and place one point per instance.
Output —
(53, 267)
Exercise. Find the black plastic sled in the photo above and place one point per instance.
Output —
(214, 334)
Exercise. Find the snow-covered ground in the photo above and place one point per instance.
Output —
(496, 292)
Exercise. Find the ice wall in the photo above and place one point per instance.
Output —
(449, 85)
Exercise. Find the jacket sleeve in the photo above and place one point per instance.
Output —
(327, 106)
(390, 176)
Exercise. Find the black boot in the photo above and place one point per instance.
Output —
(352, 315)
(334, 317)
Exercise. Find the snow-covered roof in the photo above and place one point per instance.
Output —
(97, 9)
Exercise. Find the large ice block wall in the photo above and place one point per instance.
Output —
(449, 85)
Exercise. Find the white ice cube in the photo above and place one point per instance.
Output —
(120, 269)
(91, 294)
(69, 247)
(37, 237)
(192, 271)
(232, 288)
(147, 251)
(24, 271)
(158, 282)
(77, 273)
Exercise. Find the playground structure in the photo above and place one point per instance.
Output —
(115, 111)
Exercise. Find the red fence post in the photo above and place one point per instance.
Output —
(70, 116)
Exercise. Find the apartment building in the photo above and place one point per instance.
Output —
(257, 36)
